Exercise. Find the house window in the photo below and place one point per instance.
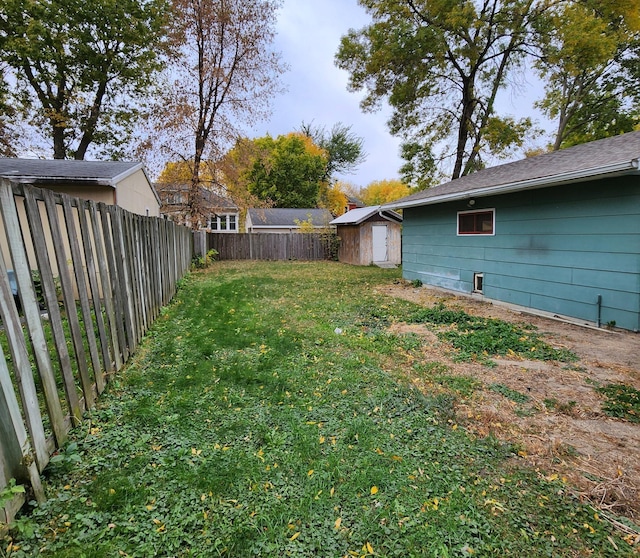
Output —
(476, 222)
(175, 198)
(224, 222)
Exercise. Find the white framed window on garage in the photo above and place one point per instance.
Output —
(477, 222)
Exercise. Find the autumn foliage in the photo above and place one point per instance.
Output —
(384, 191)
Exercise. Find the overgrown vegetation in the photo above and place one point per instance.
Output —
(267, 414)
(205, 260)
(478, 338)
(623, 401)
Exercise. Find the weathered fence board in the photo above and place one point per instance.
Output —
(68, 293)
(51, 298)
(103, 275)
(31, 311)
(272, 246)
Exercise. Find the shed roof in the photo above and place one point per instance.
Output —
(46, 171)
(614, 156)
(285, 217)
(361, 214)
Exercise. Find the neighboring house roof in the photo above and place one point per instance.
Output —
(609, 157)
(285, 217)
(70, 171)
(211, 198)
(361, 214)
(103, 173)
(354, 201)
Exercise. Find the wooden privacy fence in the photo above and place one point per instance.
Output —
(80, 284)
(273, 246)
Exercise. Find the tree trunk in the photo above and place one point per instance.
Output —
(92, 121)
(59, 149)
(468, 107)
(195, 205)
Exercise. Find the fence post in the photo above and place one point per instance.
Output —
(199, 243)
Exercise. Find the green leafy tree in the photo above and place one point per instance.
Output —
(344, 149)
(286, 171)
(80, 67)
(420, 168)
(7, 115)
(589, 61)
(222, 74)
(440, 64)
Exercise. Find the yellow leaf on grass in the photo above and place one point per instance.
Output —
(374, 490)
(337, 524)
(310, 472)
(294, 536)
(369, 548)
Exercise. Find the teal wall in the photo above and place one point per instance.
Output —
(554, 249)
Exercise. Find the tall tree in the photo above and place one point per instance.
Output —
(286, 171)
(222, 74)
(440, 64)
(79, 66)
(589, 61)
(344, 149)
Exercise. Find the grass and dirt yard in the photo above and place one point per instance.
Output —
(317, 409)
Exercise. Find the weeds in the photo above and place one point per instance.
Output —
(478, 338)
(623, 401)
(514, 395)
(205, 260)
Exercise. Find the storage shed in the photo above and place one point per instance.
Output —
(369, 235)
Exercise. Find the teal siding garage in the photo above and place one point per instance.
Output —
(569, 247)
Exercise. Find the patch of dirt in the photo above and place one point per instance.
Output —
(561, 429)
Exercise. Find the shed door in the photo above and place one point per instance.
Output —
(379, 237)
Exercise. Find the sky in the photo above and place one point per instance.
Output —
(309, 33)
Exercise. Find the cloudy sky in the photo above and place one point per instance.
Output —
(309, 34)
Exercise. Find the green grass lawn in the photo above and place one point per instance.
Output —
(248, 425)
